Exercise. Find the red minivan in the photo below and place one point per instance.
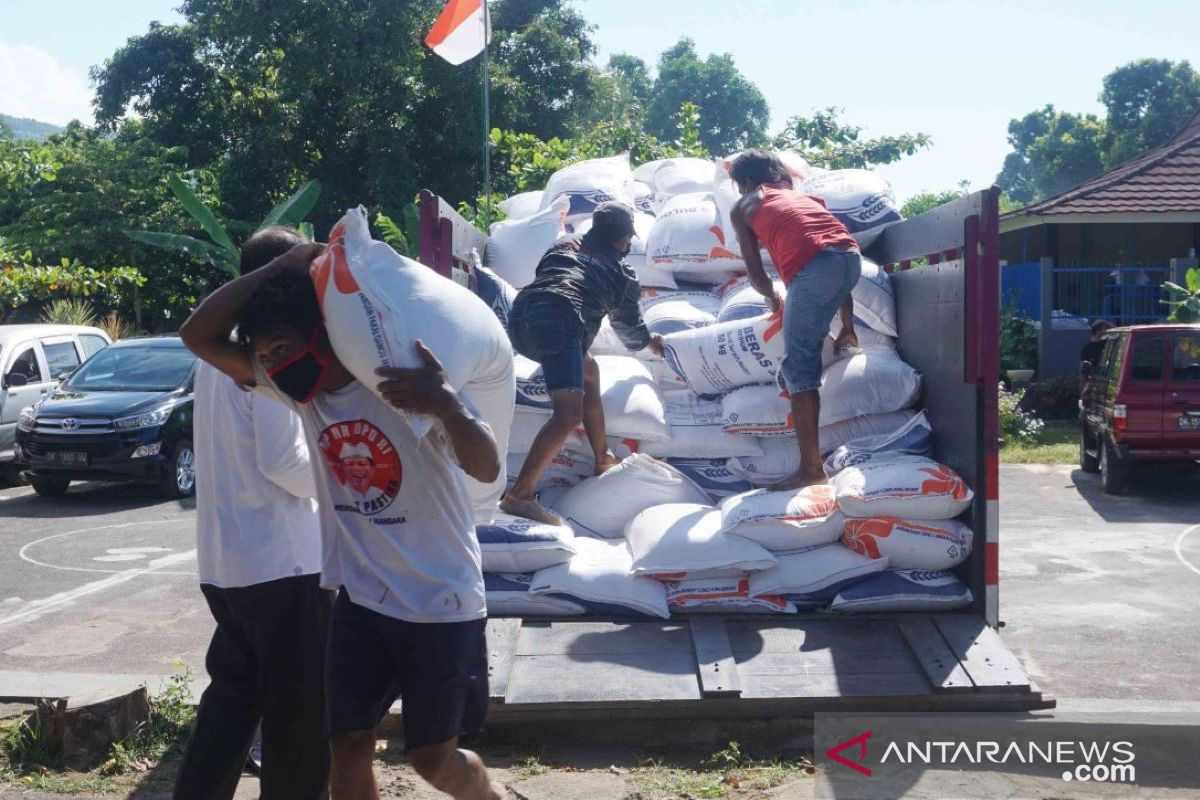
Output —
(1141, 402)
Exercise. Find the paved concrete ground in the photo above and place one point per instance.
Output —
(1098, 596)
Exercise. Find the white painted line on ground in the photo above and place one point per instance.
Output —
(39, 607)
(24, 554)
(1179, 548)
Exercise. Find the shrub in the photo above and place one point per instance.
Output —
(1018, 341)
(1017, 425)
(69, 312)
(116, 326)
(1057, 398)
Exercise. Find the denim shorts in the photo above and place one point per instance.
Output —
(545, 329)
(813, 298)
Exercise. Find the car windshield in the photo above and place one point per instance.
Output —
(133, 369)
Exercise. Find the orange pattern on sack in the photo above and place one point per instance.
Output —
(944, 482)
(775, 327)
(860, 535)
(333, 260)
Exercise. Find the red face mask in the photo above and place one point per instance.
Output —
(300, 376)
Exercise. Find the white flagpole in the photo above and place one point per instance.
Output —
(487, 126)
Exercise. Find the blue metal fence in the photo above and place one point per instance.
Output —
(1124, 295)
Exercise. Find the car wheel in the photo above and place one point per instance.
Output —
(1114, 473)
(179, 479)
(50, 487)
(1087, 461)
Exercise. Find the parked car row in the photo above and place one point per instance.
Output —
(75, 407)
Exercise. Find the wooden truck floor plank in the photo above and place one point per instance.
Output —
(628, 676)
(989, 663)
(714, 658)
(941, 666)
(502, 635)
(603, 638)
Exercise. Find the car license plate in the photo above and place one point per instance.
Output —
(66, 458)
(1189, 422)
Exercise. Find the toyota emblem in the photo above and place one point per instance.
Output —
(70, 424)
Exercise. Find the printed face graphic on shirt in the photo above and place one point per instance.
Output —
(364, 462)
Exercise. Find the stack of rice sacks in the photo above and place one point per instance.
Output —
(682, 525)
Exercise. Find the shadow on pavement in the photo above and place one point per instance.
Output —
(1157, 493)
(88, 499)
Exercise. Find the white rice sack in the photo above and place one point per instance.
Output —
(633, 406)
(522, 205)
(607, 343)
(643, 197)
(599, 575)
(720, 358)
(684, 540)
(696, 430)
(645, 172)
(687, 235)
(784, 520)
(780, 457)
(867, 336)
(508, 595)
(589, 183)
(527, 423)
(515, 246)
(683, 176)
(814, 573)
(705, 278)
(712, 475)
(667, 312)
(376, 303)
(862, 200)
(875, 299)
(875, 381)
(566, 469)
(721, 595)
(647, 275)
(602, 506)
(740, 300)
(764, 410)
(905, 487)
(902, 590)
(839, 433)
(516, 544)
(666, 378)
(910, 545)
(914, 438)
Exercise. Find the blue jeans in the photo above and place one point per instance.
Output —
(813, 298)
(546, 330)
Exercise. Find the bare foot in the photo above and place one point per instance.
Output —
(800, 479)
(606, 462)
(530, 509)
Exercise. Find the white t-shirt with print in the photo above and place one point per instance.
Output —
(397, 527)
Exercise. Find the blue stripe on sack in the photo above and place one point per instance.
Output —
(495, 534)
(907, 583)
(506, 582)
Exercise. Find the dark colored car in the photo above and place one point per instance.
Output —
(1141, 402)
(125, 414)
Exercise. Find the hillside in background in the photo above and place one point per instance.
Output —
(23, 128)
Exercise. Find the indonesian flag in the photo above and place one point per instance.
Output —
(461, 32)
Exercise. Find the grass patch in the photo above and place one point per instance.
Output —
(29, 760)
(529, 768)
(728, 773)
(1057, 443)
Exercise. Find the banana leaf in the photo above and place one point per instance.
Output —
(201, 213)
(295, 208)
(180, 243)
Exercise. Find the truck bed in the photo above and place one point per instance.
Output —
(759, 666)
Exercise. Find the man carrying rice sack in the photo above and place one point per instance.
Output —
(819, 263)
(396, 522)
(553, 322)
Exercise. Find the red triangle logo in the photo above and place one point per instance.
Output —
(861, 740)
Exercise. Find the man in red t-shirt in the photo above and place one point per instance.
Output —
(819, 263)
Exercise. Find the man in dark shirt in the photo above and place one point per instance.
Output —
(553, 322)
(1089, 356)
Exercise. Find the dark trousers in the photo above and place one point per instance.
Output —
(266, 662)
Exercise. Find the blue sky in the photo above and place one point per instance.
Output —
(956, 69)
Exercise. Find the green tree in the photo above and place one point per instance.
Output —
(344, 92)
(733, 112)
(825, 141)
(1148, 101)
(1052, 151)
(927, 201)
